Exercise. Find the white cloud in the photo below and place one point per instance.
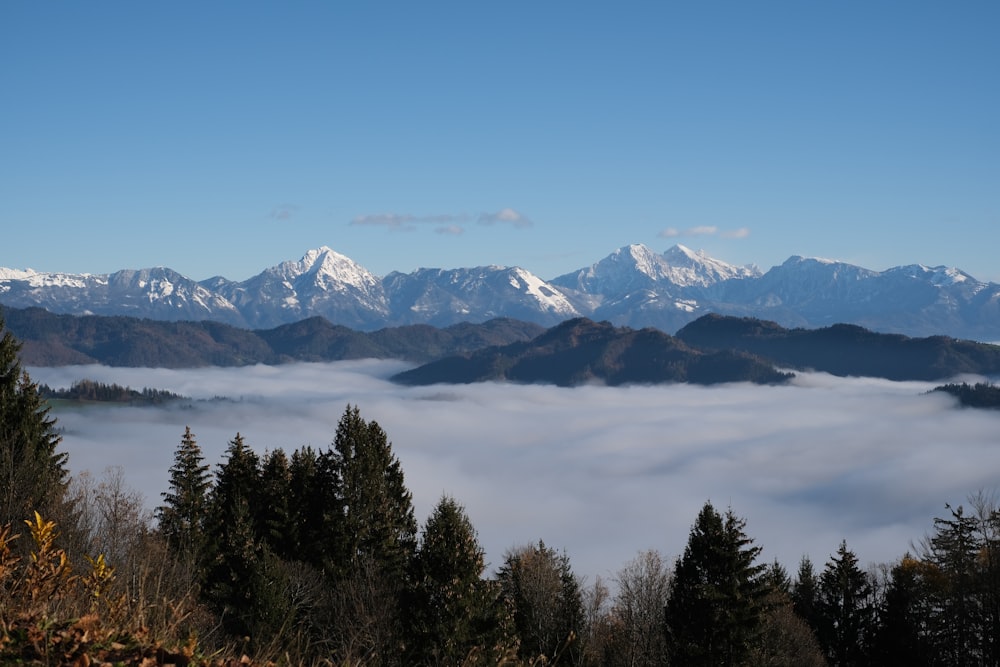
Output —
(705, 230)
(602, 472)
(451, 230)
(506, 216)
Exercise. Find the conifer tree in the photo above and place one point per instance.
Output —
(845, 610)
(452, 610)
(184, 511)
(715, 607)
(805, 593)
(377, 520)
(274, 509)
(33, 473)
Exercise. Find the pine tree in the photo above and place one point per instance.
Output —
(715, 607)
(377, 509)
(805, 593)
(372, 537)
(33, 473)
(845, 610)
(184, 511)
(452, 610)
(274, 510)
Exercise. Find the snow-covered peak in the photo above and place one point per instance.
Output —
(16, 274)
(691, 267)
(325, 265)
(936, 275)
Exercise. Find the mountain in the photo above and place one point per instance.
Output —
(581, 351)
(845, 349)
(49, 339)
(633, 286)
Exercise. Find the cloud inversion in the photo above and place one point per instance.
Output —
(600, 472)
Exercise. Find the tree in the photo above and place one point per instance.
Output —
(805, 593)
(845, 613)
(901, 637)
(643, 591)
(377, 519)
(715, 608)
(540, 588)
(452, 610)
(372, 537)
(184, 512)
(33, 473)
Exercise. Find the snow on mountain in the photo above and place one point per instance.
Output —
(447, 296)
(636, 267)
(632, 286)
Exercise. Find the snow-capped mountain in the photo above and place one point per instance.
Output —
(442, 297)
(323, 282)
(633, 286)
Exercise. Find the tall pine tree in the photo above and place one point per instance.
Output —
(452, 610)
(714, 612)
(33, 473)
(184, 512)
(845, 610)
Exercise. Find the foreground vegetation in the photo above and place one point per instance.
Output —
(315, 557)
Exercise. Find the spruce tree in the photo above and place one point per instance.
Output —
(184, 511)
(715, 607)
(451, 610)
(377, 520)
(33, 473)
(845, 610)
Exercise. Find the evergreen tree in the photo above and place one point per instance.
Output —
(372, 537)
(901, 638)
(957, 620)
(235, 550)
(715, 607)
(452, 610)
(544, 595)
(184, 511)
(845, 612)
(275, 524)
(377, 519)
(33, 473)
(805, 593)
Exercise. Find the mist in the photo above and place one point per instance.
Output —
(597, 471)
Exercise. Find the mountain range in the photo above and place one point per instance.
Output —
(633, 286)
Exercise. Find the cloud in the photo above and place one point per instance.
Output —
(507, 216)
(705, 230)
(283, 212)
(600, 472)
(448, 223)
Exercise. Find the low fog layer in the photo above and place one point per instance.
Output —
(600, 472)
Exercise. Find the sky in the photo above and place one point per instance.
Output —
(223, 138)
(603, 473)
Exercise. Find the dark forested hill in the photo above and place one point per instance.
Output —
(57, 340)
(845, 349)
(579, 351)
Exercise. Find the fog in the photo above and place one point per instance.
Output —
(600, 472)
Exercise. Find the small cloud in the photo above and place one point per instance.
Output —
(505, 216)
(705, 230)
(283, 212)
(390, 220)
(407, 221)
(451, 230)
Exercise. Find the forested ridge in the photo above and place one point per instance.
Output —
(315, 556)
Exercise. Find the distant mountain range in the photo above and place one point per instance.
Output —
(632, 286)
(710, 350)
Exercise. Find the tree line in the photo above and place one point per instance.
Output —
(316, 557)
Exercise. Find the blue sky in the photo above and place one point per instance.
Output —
(225, 137)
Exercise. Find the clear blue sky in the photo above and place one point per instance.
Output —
(224, 137)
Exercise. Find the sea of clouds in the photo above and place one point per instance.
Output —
(600, 472)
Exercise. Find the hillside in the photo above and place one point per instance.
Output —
(581, 351)
(845, 349)
(58, 340)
